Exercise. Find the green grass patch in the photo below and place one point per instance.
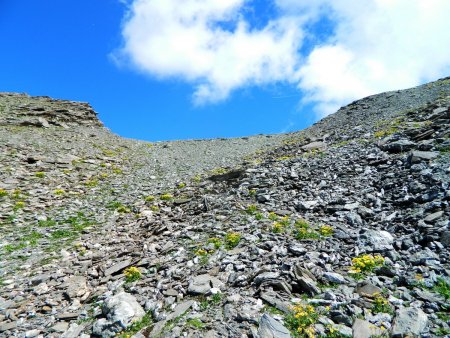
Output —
(47, 223)
(63, 233)
(251, 209)
(442, 287)
(303, 230)
(32, 238)
(116, 205)
(10, 248)
(195, 323)
(137, 326)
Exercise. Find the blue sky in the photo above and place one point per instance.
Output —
(158, 70)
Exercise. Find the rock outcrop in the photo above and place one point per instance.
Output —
(43, 111)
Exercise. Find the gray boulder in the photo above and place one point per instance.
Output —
(120, 311)
(376, 241)
(409, 322)
(271, 328)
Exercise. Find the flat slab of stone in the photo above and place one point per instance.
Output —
(434, 216)
(365, 329)
(368, 289)
(180, 309)
(334, 277)
(418, 156)
(68, 316)
(202, 284)
(7, 326)
(409, 322)
(117, 267)
(315, 145)
(271, 328)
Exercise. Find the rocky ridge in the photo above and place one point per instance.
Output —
(338, 230)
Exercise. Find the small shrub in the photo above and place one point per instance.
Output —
(123, 209)
(251, 209)
(284, 220)
(216, 298)
(326, 230)
(195, 323)
(197, 178)
(203, 255)
(154, 208)
(117, 171)
(442, 287)
(119, 207)
(201, 252)
(132, 274)
(91, 183)
(40, 174)
(219, 171)
(232, 239)
(166, 197)
(444, 150)
(216, 241)
(259, 216)
(381, 305)
(150, 198)
(3, 193)
(301, 319)
(304, 231)
(19, 205)
(278, 227)
(252, 192)
(273, 216)
(108, 153)
(59, 192)
(16, 194)
(181, 185)
(366, 263)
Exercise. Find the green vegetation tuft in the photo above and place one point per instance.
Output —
(166, 197)
(40, 174)
(304, 231)
(195, 323)
(442, 287)
(232, 239)
(137, 326)
(62, 233)
(132, 274)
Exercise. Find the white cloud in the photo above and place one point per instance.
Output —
(210, 44)
(376, 45)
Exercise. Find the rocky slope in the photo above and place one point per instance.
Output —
(338, 230)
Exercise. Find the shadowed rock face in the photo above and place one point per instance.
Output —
(219, 238)
(43, 111)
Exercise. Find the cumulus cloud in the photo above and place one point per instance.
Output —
(378, 45)
(210, 44)
(375, 45)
